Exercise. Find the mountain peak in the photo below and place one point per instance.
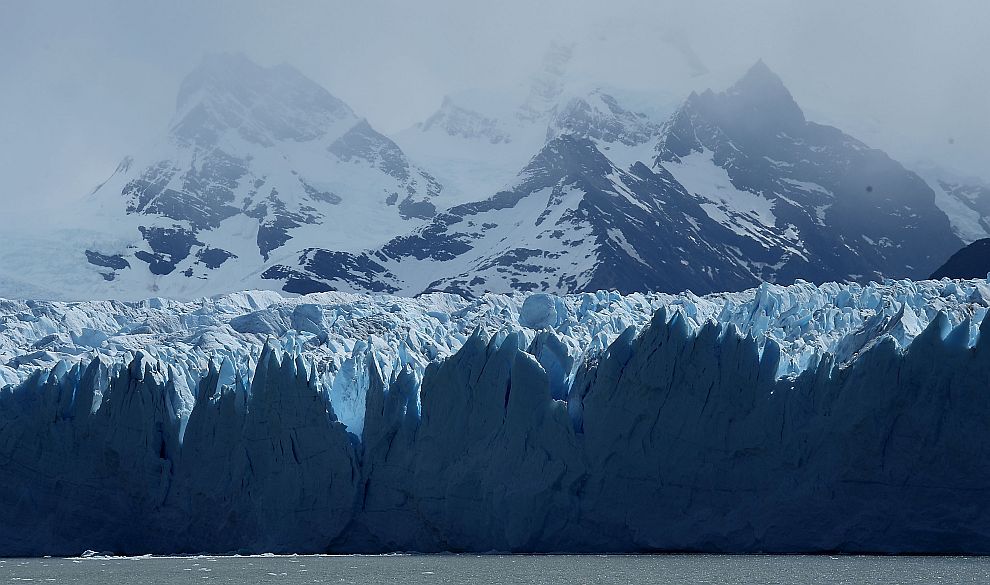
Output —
(456, 120)
(235, 68)
(229, 91)
(762, 93)
(547, 84)
(761, 74)
(227, 61)
(568, 155)
(217, 72)
(599, 116)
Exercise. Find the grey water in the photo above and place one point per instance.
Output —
(473, 569)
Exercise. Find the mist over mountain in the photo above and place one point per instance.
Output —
(264, 179)
(87, 84)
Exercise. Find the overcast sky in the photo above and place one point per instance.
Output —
(84, 83)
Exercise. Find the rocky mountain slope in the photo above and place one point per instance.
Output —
(973, 261)
(736, 188)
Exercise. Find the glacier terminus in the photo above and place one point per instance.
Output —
(780, 419)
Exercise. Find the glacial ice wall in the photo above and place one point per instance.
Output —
(338, 332)
(786, 419)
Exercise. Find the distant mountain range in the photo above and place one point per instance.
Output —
(264, 179)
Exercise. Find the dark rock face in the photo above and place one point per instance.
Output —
(671, 440)
(214, 257)
(168, 247)
(205, 198)
(203, 209)
(973, 261)
(317, 195)
(409, 208)
(333, 267)
(276, 221)
(113, 262)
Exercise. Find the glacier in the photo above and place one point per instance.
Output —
(801, 418)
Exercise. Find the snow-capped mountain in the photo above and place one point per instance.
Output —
(599, 116)
(477, 141)
(256, 164)
(734, 189)
(266, 180)
(822, 204)
(573, 221)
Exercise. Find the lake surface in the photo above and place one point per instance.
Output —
(471, 569)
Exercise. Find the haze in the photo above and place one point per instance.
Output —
(84, 84)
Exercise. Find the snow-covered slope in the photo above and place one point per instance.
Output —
(477, 141)
(800, 418)
(965, 200)
(474, 143)
(257, 164)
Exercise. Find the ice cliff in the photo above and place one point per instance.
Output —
(786, 419)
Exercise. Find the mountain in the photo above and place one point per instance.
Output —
(476, 141)
(266, 180)
(798, 419)
(257, 163)
(736, 188)
(597, 115)
(763, 170)
(572, 222)
(973, 261)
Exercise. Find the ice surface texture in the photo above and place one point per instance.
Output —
(786, 419)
